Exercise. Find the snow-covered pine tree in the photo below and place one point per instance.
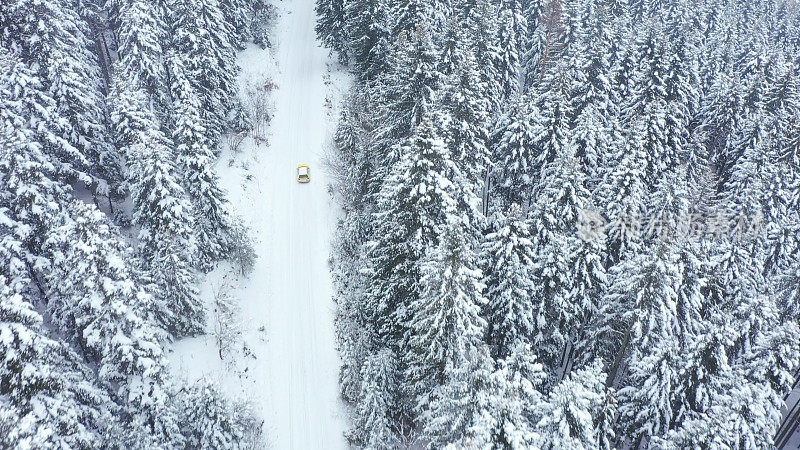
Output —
(551, 122)
(622, 195)
(512, 35)
(56, 42)
(195, 157)
(787, 285)
(95, 299)
(31, 190)
(733, 399)
(660, 103)
(445, 334)
(648, 398)
(568, 267)
(478, 18)
(514, 173)
(331, 26)
(771, 362)
(209, 420)
(705, 373)
(162, 212)
(458, 411)
(782, 102)
(355, 324)
(200, 36)
(595, 115)
(368, 31)
(568, 417)
(53, 401)
(466, 131)
(142, 29)
(530, 57)
(516, 381)
(373, 428)
(719, 116)
(409, 15)
(414, 204)
(509, 256)
(411, 87)
(668, 208)
(238, 16)
(638, 309)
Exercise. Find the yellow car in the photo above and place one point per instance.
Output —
(303, 173)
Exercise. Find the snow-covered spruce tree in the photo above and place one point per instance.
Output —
(571, 416)
(449, 364)
(515, 398)
(638, 309)
(734, 401)
(410, 15)
(196, 160)
(660, 102)
(239, 16)
(369, 36)
(374, 428)
(512, 35)
(55, 41)
(13, 253)
(509, 256)
(514, 175)
(95, 300)
(704, 377)
(621, 196)
(478, 18)
(720, 113)
(782, 103)
(531, 55)
(466, 131)
(458, 412)
(31, 190)
(647, 401)
(595, 114)
(142, 29)
(209, 420)
(331, 26)
(200, 36)
(668, 208)
(551, 116)
(410, 88)
(355, 323)
(52, 399)
(162, 212)
(568, 267)
(788, 286)
(414, 204)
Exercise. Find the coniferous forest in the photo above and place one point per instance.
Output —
(111, 115)
(568, 224)
(563, 224)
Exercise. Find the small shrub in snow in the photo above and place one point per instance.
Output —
(227, 331)
(242, 254)
(257, 104)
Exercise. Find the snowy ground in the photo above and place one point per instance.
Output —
(286, 361)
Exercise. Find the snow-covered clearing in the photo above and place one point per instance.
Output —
(285, 361)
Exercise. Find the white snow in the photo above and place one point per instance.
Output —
(290, 368)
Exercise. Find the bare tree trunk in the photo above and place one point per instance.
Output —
(619, 358)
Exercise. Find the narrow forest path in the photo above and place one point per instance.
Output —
(288, 365)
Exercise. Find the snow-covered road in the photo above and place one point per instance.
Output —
(287, 309)
(296, 224)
